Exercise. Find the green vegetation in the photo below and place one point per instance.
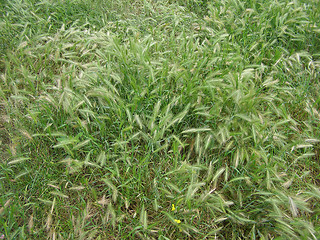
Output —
(160, 119)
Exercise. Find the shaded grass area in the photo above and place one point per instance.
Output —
(160, 120)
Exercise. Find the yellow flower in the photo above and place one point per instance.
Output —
(177, 221)
(173, 208)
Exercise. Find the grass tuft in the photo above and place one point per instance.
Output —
(159, 119)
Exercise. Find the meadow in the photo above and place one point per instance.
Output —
(160, 119)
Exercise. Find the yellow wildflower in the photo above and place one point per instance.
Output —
(173, 208)
(177, 221)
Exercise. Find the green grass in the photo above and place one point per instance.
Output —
(111, 112)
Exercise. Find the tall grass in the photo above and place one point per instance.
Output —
(160, 119)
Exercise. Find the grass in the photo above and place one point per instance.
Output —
(160, 119)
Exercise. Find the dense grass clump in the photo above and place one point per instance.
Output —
(160, 119)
